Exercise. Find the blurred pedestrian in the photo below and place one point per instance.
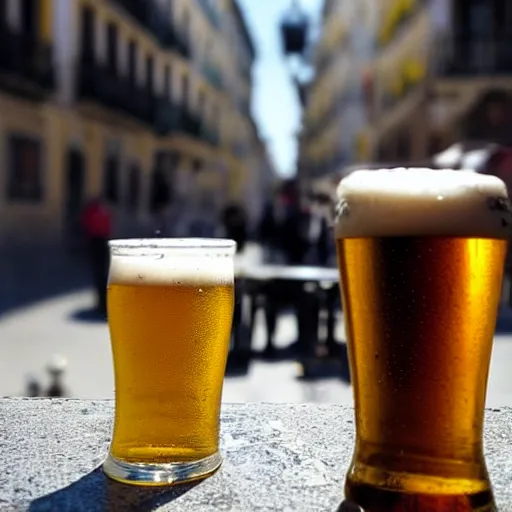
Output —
(268, 233)
(161, 226)
(234, 220)
(295, 231)
(97, 227)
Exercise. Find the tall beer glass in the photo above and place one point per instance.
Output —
(170, 308)
(421, 255)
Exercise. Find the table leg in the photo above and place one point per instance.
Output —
(242, 328)
(271, 312)
(331, 296)
(308, 308)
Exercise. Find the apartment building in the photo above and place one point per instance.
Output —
(146, 102)
(443, 73)
(428, 73)
(335, 114)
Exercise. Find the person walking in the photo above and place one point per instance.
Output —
(97, 227)
(234, 220)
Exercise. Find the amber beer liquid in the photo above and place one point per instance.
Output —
(170, 312)
(421, 255)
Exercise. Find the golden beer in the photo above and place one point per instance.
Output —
(421, 255)
(170, 320)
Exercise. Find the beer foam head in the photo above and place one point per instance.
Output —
(422, 202)
(157, 262)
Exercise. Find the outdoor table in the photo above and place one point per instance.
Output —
(277, 457)
(302, 284)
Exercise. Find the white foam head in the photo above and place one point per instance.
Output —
(422, 202)
(158, 262)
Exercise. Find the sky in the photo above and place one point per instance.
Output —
(275, 102)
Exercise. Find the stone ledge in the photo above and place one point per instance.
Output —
(276, 457)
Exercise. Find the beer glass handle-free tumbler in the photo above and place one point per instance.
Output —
(421, 256)
(170, 309)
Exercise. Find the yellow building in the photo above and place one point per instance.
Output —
(334, 116)
(399, 76)
(439, 68)
(143, 101)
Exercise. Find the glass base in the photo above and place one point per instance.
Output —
(147, 474)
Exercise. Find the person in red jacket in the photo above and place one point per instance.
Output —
(97, 227)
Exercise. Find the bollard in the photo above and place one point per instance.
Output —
(56, 368)
(33, 386)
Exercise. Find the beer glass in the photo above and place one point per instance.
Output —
(421, 256)
(170, 308)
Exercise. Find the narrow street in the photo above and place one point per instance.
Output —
(31, 336)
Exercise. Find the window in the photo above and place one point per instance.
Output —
(150, 72)
(3, 13)
(201, 104)
(87, 33)
(132, 62)
(184, 90)
(25, 174)
(133, 196)
(167, 81)
(160, 190)
(29, 16)
(112, 47)
(216, 117)
(186, 24)
(481, 18)
(111, 184)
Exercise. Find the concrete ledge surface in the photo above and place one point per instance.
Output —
(277, 457)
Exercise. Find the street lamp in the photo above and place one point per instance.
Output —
(295, 35)
(294, 30)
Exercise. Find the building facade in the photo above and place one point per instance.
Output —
(442, 74)
(432, 72)
(145, 102)
(335, 114)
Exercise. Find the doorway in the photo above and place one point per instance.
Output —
(74, 194)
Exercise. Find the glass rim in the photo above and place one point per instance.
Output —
(173, 243)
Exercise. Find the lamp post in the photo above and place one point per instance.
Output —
(295, 27)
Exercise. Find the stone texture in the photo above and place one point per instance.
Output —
(277, 458)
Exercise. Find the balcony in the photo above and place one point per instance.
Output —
(172, 118)
(390, 101)
(158, 22)
(26, 66)
(210, 12)
(328, 57)
(210, 136)
(467, 56)
(101, 85)
(398, 19)
(213, 75)
(245, 108)
(334, 112)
